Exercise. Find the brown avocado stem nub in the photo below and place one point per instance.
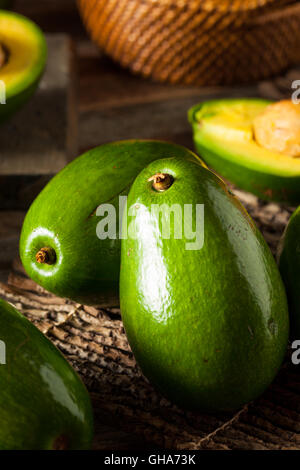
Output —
(46, 255)
(161, 181)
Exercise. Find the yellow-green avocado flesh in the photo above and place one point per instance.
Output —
(223, 136)
(25, 51)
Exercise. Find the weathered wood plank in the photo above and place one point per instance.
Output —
(42, 137)
(10, 226)
(53, 16)
(164, 119)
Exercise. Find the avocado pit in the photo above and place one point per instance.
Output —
(277, 128)
(161, 181)
(46, 255)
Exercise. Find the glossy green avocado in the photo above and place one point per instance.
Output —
(43, 403)
(289, 264)
(223, 136)
(64, 218)
(207, 323)
(23, 46)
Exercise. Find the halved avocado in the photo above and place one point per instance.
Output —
(23, 54)
(224, 136)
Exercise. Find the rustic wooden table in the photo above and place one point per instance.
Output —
(113, 104)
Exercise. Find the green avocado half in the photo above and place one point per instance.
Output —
(67, 217)
(43, 403)
(223, 136)
(202, 301)
(23, 55)
(289, 265)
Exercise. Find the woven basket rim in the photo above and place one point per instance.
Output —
(154, 40)
(230, 6)
(280, 13)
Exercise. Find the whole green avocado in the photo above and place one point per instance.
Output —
(289, 265)
(43, 403)
(202, 301)
(59, 245)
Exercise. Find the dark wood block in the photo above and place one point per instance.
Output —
(42, 137)
(164, 119)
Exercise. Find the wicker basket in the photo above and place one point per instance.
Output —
(201, 42)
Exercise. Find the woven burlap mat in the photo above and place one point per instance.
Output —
(94, 342)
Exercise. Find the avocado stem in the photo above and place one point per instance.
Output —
(46, 255)
(161, 181)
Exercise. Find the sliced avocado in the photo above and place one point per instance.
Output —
(59, 246)
(205, 312)
(23, 50)
(289, 265)
(43, 403)
(224, 137)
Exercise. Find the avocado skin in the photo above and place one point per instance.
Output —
(63, 217)
(42, 399)
(289, 265)
(266, 186)
(209, 328)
